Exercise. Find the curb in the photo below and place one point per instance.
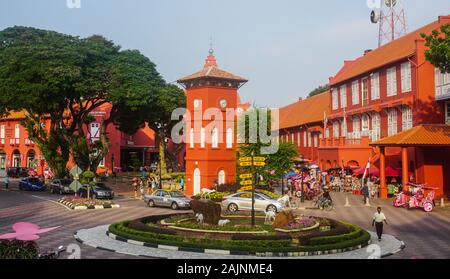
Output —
(78, 239)
(402, 247)
(233, 253)
(72, 206)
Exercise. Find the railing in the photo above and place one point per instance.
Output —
(29, 142)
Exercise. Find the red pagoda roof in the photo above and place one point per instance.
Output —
(212, 70)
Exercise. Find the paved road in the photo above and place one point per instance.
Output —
(427, 235)
(40, 208)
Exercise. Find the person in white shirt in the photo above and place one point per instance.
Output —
(378, 220)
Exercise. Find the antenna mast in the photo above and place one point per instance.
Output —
(391, 19)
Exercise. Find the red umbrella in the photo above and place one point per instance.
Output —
(372, 171)
(392, 172)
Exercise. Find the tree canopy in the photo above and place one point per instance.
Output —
(438, 52)
(63, 79)
(319, 90)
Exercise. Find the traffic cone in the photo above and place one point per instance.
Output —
(347, 202)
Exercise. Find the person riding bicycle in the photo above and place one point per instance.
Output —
(326, 194)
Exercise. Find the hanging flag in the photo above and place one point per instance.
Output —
(367, 169)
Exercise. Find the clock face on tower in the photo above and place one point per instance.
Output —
(223, 103)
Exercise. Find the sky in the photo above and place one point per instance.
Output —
(286, 48)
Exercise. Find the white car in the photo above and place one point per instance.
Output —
(243, 201)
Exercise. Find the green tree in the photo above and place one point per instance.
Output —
(62, 79)
(319, 90)
(160, 120)
(438, 52)
(278, 163)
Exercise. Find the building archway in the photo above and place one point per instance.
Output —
(197, 181)
(16, 159)
(221, 178)
(31, 156)
(2, 160)
(335, 163)
(328, 165)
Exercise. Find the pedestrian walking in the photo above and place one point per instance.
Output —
(182, 184)
(378, 220)
(135, 186)
(6, 181)
(366, 193)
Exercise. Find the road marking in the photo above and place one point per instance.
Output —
(44, 199)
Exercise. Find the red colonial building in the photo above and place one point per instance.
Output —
(302, 124)
(373, 105)
(213, 104)
(380, 94)
(17, 150)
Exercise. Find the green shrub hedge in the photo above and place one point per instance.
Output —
(353, 239)
(19, 250)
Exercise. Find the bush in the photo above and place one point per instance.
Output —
(216, 196)
(229, 188)
(139, 226)
(21, 250)
(251, 246)
(177, 176)
(260, 237)
(337, 229)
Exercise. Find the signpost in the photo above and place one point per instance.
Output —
(76, 172)
(251, 178)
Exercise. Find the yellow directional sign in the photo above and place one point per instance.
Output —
(259, 159)
(246, 182)
(259, 164)
(245, 164)
(245, 159)
(246, 176)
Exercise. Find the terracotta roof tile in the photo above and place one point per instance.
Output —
(399, 49)
(213, 72)
(309, 110)
(423, 135)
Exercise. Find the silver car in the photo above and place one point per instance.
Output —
(243, 201)
(163, 198)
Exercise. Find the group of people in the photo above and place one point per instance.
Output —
(147, 184)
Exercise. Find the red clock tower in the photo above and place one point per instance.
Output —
(212, 103)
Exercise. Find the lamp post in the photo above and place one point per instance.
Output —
(303, 178)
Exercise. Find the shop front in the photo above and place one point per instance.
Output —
(431, 144)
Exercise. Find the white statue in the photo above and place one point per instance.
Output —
(223, 223)
(270, 217)
(200, 218)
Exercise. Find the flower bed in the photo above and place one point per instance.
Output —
(300, 225)
(353, 237)
(77, 203)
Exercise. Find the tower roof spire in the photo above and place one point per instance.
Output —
(211, 59)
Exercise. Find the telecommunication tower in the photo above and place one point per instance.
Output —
(390, 15)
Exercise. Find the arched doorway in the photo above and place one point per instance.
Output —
(221, 177)
(31, 156)
(353, 164)
(328, 166)
(2, 160)
(16, 159)
(197, 181)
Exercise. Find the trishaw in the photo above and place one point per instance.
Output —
(416, 198)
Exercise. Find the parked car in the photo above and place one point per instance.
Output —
(172, 199)
(17, 172)
(31, 184)
(61, 186)
(243, 201)
(99, 191)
